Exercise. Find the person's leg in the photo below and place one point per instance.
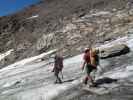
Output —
(88, 77)
(57, 77)
(85, 79)
(90, 69)
(92, 81)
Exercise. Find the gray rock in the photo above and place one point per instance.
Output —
(45, 41)
(113, 51)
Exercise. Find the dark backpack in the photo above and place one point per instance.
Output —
(97, 59)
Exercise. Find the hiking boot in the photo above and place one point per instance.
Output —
(93, 85)
(85, 82)
(55, 82)
(60, 81)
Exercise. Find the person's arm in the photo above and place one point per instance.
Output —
(54, 64)
(53, 67)
(83, 65)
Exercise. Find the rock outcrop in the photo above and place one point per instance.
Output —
(114, 50)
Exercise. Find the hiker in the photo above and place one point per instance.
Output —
(90, 64)
(58, 66)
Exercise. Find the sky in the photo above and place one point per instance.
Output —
(12, 6)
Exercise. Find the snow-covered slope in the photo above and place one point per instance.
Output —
(34, 80)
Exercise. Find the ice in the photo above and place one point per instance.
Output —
(75, 59)
(129, 68)
(2, 56)
(35, 16)
(27, 60)
(130, 43)
(49, 91)
(122, 40)
(101, 13)
(120, 73)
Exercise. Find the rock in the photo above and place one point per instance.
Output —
(69, 27)
(115, 50)
(24, 45)
(45, 41)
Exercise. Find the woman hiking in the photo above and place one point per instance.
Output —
(58, 66)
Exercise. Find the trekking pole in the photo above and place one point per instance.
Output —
(61, 74)
(101, 69)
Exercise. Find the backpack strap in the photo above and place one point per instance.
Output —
(93, 57)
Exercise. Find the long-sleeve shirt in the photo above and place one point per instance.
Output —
(58, 64)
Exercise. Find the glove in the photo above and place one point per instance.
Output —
(82, 68)
(52, 70)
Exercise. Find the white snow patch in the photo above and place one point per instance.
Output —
(27, 60)
(129, 68)
(2, 56)
(55, 90)
(120, 73)
(118, 41)
(130, 42)
(11, 83)
(100, 13)
(75, 59)
(35, 16)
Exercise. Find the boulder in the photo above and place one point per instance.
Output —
(115, 50)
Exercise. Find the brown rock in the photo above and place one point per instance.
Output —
(115, 50)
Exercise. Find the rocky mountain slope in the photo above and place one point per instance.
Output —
(68, 24)
(31, 79)
(36, 32)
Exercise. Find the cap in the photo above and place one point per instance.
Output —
(86, 50)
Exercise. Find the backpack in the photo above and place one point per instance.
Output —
(58, 62)
(94, 58)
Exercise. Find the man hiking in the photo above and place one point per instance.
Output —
(58, 66)
(89, 63)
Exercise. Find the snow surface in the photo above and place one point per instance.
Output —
(2, 56)
(122, 40)
(98, 13)
(101, 13)
(27, 60)
(35, 16)
(125, 72)
(73, 60)
(51, 90)
(130, 41)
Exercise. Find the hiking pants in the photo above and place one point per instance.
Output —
(89, 69)
(57, 71)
